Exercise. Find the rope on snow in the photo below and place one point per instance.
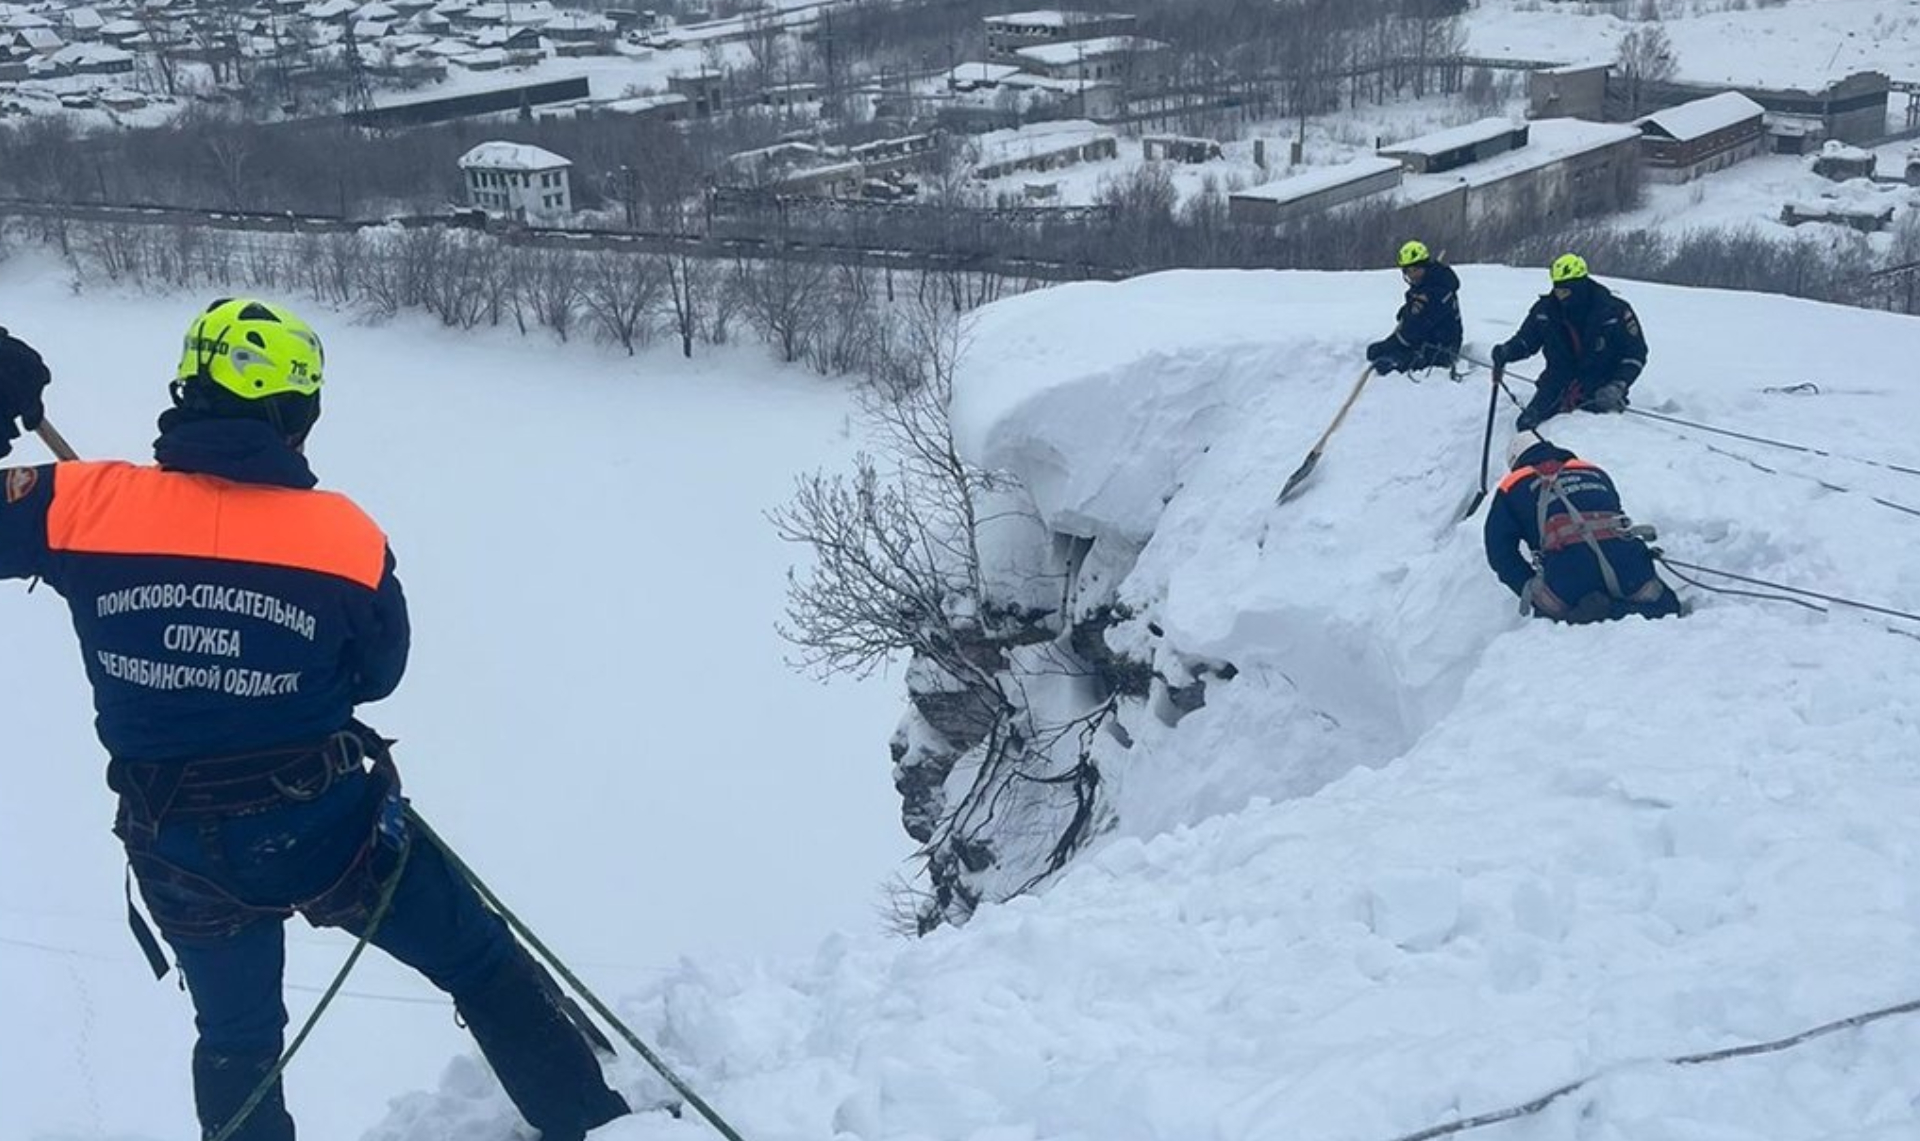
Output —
(1528, 1109)
(1788, 445)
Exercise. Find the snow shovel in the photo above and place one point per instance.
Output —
(1486, 445)
(1306, 467)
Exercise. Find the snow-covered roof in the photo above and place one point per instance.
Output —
(1550, 141)
(42, 39)
(119, 28)
(84, 19)
(1703, 117)
(635, 104)
(980, 72)
(1026, 79)
(512, 156)
(331, 9)
(94, 55)
(1051, 18)
(1059, 55)
(1440, 142)
(1037, 139)
(579, 22)
(1299, 186)
(376, 11)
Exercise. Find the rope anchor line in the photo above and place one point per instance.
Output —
(1529, 1108)
(1788, 445)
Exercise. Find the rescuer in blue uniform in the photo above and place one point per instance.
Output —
(231, 617)
(1593, 343)
(1586, 565)
(1426, 331)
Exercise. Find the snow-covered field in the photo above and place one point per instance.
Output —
(1771, 43)
(597, 712)
(1420, 859)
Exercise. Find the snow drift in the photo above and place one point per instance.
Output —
(1419, 857)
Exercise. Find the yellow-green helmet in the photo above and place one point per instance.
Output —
(254, 350)
(1413, 253)
(1567, 267)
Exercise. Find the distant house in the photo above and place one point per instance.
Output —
(83, 24)
(579, 28)
(514, 40)
(519, 181)
(42, 41)
(1840, 162)
(665, 108)
(1106, 57)
(1177, 148)
(93, 59)
(1460, 146)
(787, 96)
(1042, 146)
(1008, 33)
(1313, 191)
(1682, 143)
(121, 33)
(333, 12)
(702, 91)
(979, 76)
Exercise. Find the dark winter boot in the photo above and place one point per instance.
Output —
(540, 1057)
(222, 1083)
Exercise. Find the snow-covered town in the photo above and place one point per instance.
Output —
(941, 570)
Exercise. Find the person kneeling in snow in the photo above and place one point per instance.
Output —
(1592, 340)
(231, 617)
(1586, 566)
(1428, 331)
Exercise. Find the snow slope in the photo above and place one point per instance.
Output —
(1420, 858)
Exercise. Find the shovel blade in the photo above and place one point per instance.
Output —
(1299, 476)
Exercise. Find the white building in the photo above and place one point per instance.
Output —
(522, 182)
(1106, 57)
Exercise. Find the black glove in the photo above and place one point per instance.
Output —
(1501, 355)
(1528, 419)
(23, 376)
(1609, 397)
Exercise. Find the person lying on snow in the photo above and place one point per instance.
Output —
(231, 617)
(1586, 565)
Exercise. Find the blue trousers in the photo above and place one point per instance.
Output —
(280, 859)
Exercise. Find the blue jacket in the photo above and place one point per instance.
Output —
(1567, 561)
(1430, 316)
(1591, 339)
(223, 606)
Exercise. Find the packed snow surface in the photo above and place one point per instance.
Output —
(1420, 858)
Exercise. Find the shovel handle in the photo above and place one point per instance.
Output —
(55, 442)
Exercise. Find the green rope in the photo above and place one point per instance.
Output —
(272, 1077)
(519, 928)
